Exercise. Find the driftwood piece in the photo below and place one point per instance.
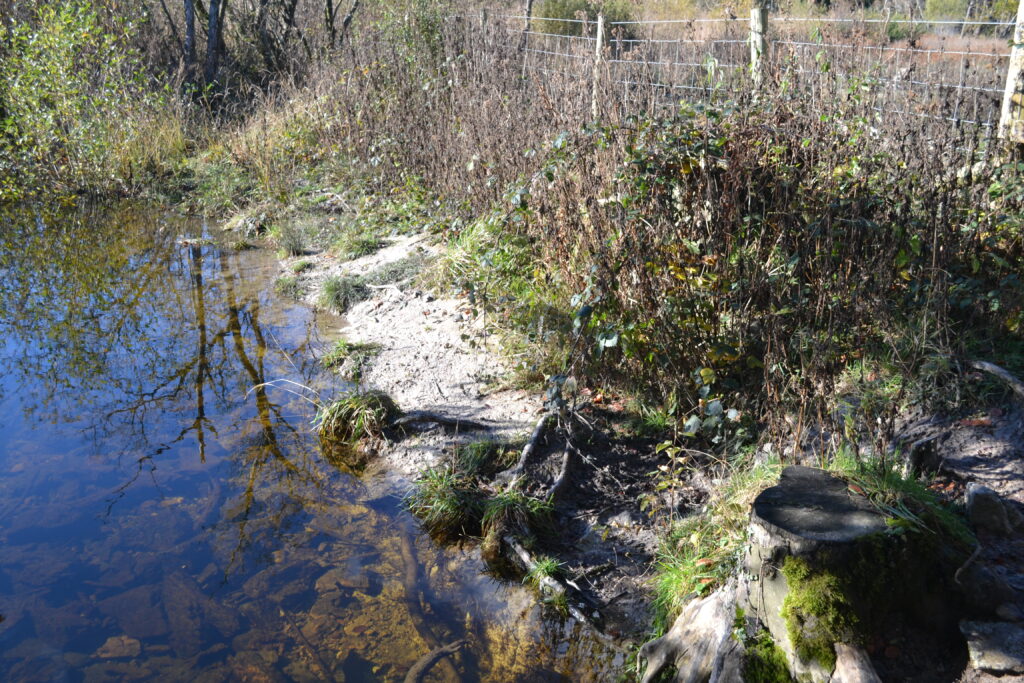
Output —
(853, 666)
(993, 369)
(456, 423)
(698, 641)
(427, 661)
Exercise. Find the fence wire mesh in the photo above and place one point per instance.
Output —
(944, 76)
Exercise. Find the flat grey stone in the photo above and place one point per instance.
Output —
(809, 504)
(995, 646)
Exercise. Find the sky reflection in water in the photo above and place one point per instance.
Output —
(162, 515)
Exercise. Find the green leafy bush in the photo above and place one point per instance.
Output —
(77, 113)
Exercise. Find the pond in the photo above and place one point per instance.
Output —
(167, 514)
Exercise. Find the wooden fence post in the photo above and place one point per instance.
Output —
(1011, 118)
(758, 27)
(524, 44)
(598, 57)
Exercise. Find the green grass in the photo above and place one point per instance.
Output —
(288, 285)
(301, 266)
(544, 567)
(446, 502)
(352, 246)
(341, 292)
(344, 350)
(903, 499)
(292, 239)
(362, 415)
(516, 511)
(700, 552)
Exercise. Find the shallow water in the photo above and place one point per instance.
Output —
(166, 515)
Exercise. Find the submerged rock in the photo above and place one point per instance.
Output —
(118, 647)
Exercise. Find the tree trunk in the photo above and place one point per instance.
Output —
(212, 41)
(329, 23)
(811, 525)
(190, 36)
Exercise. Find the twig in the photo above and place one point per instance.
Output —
(427, 661)
(556, 587)
(992, 368)
(273, 383)
(970, 560)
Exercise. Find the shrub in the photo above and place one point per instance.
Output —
(550, 11)
(77, 114)
(749, 256)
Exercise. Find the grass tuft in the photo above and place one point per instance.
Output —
(544, 567)
(288, 285)
(341, 292)
(446, 501)
(516, 511)
(700, 552)
(362, 415)
(485, 457)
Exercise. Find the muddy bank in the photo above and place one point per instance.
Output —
(442, 356)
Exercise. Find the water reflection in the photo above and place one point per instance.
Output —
(165, 514)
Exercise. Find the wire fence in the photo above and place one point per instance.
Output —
(940, 74)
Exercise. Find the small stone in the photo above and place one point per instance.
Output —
(987, 511)
(117, 647)
(995, 647)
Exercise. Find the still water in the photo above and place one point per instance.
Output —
(165, 515)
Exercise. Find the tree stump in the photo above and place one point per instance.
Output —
(812, 567)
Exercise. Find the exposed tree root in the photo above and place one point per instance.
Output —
(427, 661)
(556, 587)
(698, 641)
(562, 480)
(453, 423)
(517, 471)
(993, 369)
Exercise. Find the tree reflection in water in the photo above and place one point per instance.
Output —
(164, 514)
